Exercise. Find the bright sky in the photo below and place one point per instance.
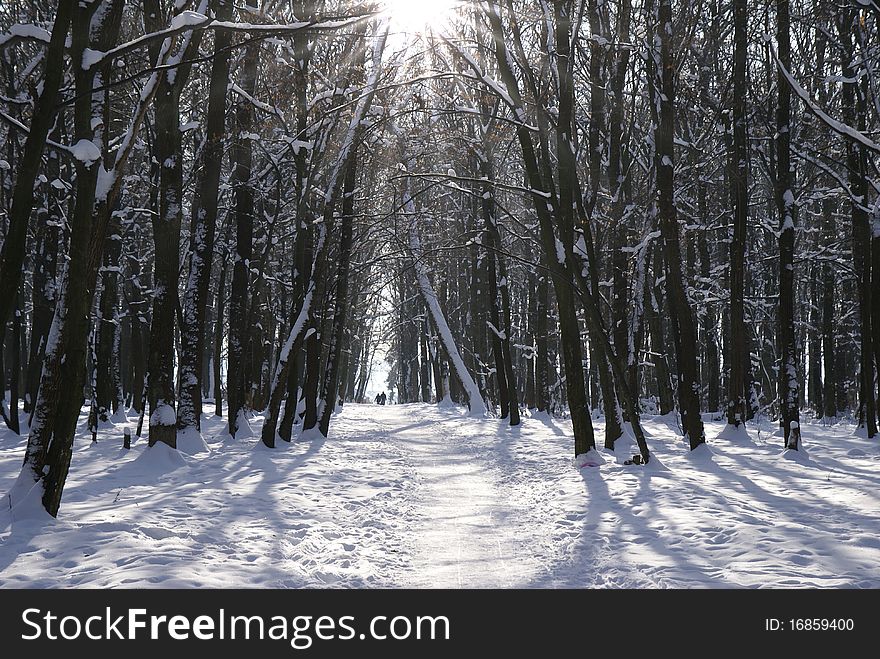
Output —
(413, 16)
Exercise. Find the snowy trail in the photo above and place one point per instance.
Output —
(418, 496)
(466, 537)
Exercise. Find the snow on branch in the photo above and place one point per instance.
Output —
(24, 32)
(855, 199)
(189, 21)
(837, 126)
(265, 107)
(494, 85)
(15, 123)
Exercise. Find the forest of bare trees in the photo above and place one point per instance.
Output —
(585, 208)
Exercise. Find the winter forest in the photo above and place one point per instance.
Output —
(643, 234)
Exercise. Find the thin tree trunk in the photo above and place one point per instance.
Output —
(788, 382)
(739, 178)
(542, 349)
(108, 324)
(44, 290)
(828, 290)
(854, 115)
(218, 337)
(340, 313)
(15, 367)
(425, 375)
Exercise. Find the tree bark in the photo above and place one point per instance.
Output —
(340, 315)
(557, 251)
(204, 228)
(788, 380)
(242, 158)
(60, 397)
(44, 289)
(853, 106)
(14, 251)
(680, 314)
(739, 178)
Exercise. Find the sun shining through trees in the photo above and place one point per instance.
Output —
(414, 17)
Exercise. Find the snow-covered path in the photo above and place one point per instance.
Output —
(417, 496)
(466, 534)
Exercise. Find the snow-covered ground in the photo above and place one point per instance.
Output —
(419, 496)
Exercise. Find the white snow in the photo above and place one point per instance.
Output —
(30, 31)
(86, 151)
(25, 31)
(163, 415)
(418, 495)
(91, 57)
(735, 433)
(190, 441)
(297, 145)
(187, 18)
(560, 251)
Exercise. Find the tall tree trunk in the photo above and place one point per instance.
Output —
(301, 263)
(598, 84)
(204, 227)
(854, 115)
(788, 382)
(44, 290)
(340, 314)
(557, 251)
(739, 178)
(46, 107)
(828, 289)
(242, 158)
(571, 343)
(168, 151)
(60, 397)
(680, 314)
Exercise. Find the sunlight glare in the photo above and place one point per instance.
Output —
(417, 16)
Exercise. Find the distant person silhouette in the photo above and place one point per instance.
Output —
(383, 398)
